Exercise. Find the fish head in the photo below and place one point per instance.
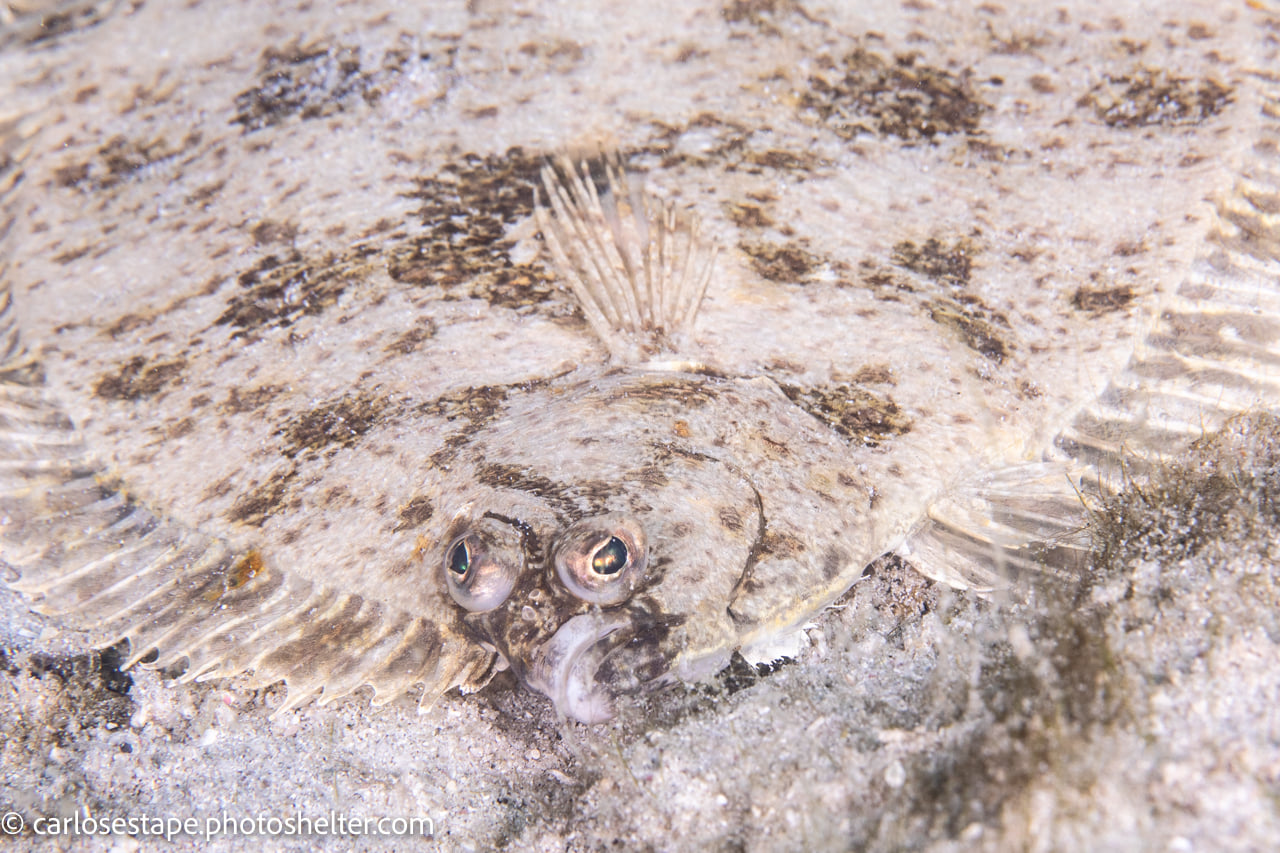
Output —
(599, 561)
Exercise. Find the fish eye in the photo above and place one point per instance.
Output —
(600, 560)
(479, 572)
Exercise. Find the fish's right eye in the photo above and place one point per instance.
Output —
(477, 576)
(601, 560)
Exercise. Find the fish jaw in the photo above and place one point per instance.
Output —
(596, 658)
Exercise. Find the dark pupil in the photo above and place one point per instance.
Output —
(460, 559)
(610, 559)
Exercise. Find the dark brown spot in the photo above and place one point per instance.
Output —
(219, 489)
(338, 423)
(249, 400)
(269, 231)
(71, 174)
(1150, 97)
(468, 208)
(748, 215)
(126, 324)
(181, 428)
(976, 332)
(336, 497)
(409, 341)
(276, 292)
(563, 55)
(853, 412)
(256, 507)
(205, 193)
(136, 379)
(1042, 84)
(730, 518)
(781, 545)
(720, 139)
(761, 14)
(1015, 44)
(653, 476)
(681, 529)
(1028, 390)
(52, 25)
(947, 262)
(884, 281)
(901, 98)
(787, 263)
(978, 148)
(310, 81)
(478, 405)
(413, 514)
(874, 374)
(72, 255)
(1129, 249)
(776, 158)
(121, 159)
(1099, 301)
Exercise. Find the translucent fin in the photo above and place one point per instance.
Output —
(1023, 519)
(638, 269)
(1212, 354)
(87, 554)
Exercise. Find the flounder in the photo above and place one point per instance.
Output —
(419, 455)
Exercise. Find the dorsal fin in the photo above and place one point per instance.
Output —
(638, 267)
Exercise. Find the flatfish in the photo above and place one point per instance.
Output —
(322, 362)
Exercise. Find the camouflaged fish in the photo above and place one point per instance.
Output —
(283, 396)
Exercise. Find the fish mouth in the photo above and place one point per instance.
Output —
(594, 659)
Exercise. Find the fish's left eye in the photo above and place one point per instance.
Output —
(480, 570)
(601, 559)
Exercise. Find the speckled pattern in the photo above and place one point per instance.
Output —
(280, 269)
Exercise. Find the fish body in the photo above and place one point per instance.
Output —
(322, 366)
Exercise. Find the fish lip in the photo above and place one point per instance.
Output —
(568, 665)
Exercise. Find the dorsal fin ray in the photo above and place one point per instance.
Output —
(638, 268)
